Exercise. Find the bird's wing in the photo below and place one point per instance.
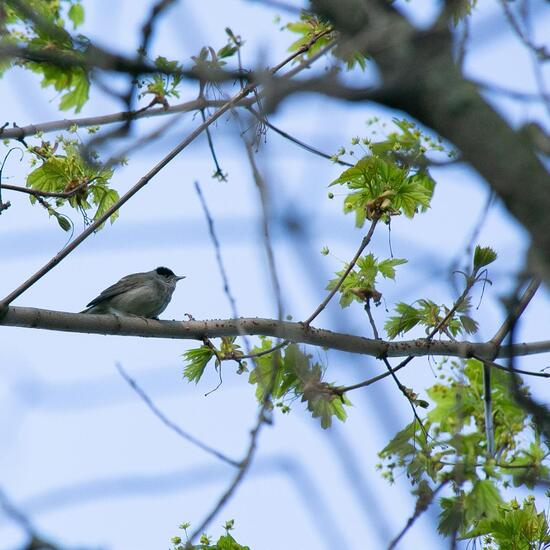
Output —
(125, 284)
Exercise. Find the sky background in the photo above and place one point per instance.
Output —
(84, 457)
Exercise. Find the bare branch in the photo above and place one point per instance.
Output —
(516, 313)
(45, 194)
(20, 132)
(169, 423)
(298, 142)
(295, 332)
(421, 506)
(350, 266)
(217, 250)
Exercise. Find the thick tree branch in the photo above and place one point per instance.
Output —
(295, 332)
(20, 132)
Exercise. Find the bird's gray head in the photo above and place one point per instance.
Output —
(168, 276)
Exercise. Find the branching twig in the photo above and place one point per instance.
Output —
(350, 266)
(391, 370)
(421, 506)
(45, 194)
(217, 250)
(169, 423)
(539, 412)
(262, 191)
(491, 364)
(298, 142)
(515, 313)
(20, 132)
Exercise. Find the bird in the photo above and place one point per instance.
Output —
(138, 294)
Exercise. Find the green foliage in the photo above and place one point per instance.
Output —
(360, 284)
(430, 315)
(224, 542)
(454, 448)
(462, 10)
(392, 178)
(76, 14)
(162, 85)
(483, 256)
(73, 83)
(290, 374)
(63, 173)
(197, 359)
(512, 526)
(311, 26)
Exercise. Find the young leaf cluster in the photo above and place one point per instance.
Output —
(454, 449)
(311, 26)
(391, 179)
(360, 284)
(198, 358)
(224, 542)
(430, 315)
(289, 374)
(514, 526)
(162, 85)
(61, 169)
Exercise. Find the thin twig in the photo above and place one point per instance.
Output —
(421, 506)
(45, 194)
(298, 142)
(514, 315)
(492, 364)
(20, 132)
(391, 371)
(170, 424)
(264, 200)
(350, 266)
(217, 249)
(540, 51)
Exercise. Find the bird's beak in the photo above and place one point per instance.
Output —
(179, 278)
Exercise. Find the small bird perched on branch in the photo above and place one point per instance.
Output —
(139, 294)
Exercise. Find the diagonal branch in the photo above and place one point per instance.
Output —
(516, 313)
(351, 265)
(169, 423)
(152, 173)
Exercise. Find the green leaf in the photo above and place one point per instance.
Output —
(482, 501)
(63, 222)
(51, 176)
(469, 324)
(76, 15)
(387, 267)
(104, 198)
(197, 359)
(79, 92)
(451, 518)
(483, 256)
(406, 319)
(401, 444)
(227, 51)
(227, 542)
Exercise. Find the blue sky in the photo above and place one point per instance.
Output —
(84, 457)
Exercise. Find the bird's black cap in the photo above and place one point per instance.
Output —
(165, 272)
